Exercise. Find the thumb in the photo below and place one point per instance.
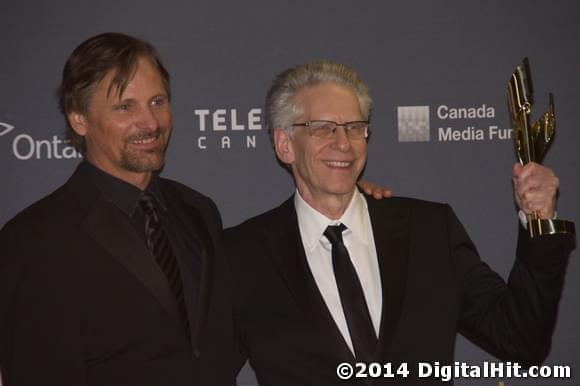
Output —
(517, 170)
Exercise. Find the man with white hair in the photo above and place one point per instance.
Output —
(333, 275)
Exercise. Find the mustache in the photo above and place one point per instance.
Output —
(146, 134)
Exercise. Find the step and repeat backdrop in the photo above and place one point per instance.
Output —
(437, 71)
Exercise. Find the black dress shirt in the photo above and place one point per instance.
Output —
(126, 196)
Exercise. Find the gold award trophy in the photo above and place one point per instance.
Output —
(532, 140)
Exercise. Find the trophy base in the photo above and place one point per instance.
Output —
(540, 227)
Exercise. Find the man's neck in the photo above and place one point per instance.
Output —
(138, 179)
(331, 206)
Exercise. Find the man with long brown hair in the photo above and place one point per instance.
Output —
(116, 278)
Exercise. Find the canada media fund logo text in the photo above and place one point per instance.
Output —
(453, 124)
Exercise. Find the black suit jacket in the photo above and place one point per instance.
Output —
(84, 303)
(433, 284)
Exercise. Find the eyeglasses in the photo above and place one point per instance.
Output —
(326, 129)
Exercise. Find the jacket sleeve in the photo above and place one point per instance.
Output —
(514, 320)
(39, 330)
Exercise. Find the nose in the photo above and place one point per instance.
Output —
(148, 118)
(340, 140)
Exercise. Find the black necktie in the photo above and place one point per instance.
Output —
(160, 248)
(354, 306)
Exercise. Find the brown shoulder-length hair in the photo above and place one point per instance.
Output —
(91, 61)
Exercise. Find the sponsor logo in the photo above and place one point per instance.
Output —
(452, 123)
(5, 128)
(228, 129)
(413, 123)
(26, 147)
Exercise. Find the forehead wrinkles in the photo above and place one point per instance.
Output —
(119, 78)
(328, 101)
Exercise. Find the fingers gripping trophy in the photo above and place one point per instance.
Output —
(532, 140)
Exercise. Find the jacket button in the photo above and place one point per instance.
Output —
(196, 352)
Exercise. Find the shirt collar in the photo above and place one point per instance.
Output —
(121, 193)
(155, 189)
(313, 223)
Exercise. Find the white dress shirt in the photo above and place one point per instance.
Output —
(360, 243)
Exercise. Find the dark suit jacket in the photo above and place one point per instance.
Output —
(433, 285)
(83, 303)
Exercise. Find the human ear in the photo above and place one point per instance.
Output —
(283, 146)
(78, 122)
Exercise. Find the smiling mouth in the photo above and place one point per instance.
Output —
(144, 139)
(338, 164)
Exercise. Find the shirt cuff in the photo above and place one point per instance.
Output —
(524, 218)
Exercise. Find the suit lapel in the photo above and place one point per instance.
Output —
(96, 215)
(285, 248)
(390, 224)
(121, 242)
(197, 231)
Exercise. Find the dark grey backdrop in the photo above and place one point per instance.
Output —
(222, 56)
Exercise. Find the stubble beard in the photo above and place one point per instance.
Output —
(144, 161)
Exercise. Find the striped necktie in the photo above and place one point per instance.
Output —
(159, 246)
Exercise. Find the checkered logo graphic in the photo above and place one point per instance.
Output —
(413, 123)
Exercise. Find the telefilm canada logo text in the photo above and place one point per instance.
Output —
(228, 128)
